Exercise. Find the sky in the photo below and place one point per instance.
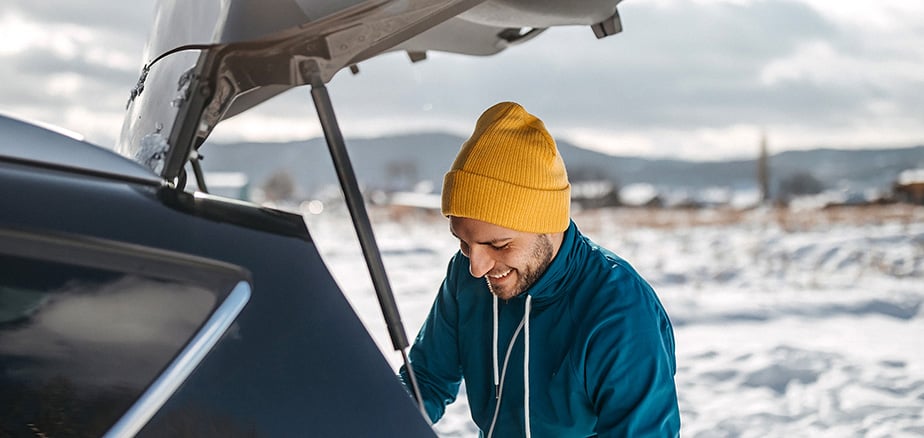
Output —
(694, 79)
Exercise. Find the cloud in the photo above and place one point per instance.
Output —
(122, 17)
(691, 72)
(695, 78)
(70, 64)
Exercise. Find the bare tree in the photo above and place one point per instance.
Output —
(763, 169)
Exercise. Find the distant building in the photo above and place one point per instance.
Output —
(910, 186)
(595, 193)
(228, 184)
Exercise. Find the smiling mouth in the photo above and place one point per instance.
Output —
(500, 276)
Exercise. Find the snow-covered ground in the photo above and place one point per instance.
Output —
(800, 324)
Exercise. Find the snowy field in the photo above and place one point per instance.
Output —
(799, 324)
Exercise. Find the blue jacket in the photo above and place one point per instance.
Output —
(600, 359)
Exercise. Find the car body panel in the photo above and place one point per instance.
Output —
(297, 361)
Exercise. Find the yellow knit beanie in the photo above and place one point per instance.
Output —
(509, 173)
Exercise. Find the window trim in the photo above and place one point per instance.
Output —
(94, 252)
(183, 365)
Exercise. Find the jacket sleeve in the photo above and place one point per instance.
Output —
(435, 353)
(630, 367)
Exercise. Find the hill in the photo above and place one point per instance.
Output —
(401, 162)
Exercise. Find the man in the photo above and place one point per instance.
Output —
(553, 335)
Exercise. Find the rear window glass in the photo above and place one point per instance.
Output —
(80, 343)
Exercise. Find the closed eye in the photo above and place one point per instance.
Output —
(463, 247)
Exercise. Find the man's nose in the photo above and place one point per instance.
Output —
(479, 261)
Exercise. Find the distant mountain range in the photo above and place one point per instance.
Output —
(403, 162)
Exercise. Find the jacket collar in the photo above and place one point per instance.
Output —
(554, 282)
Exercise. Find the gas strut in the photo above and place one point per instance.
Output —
(354, 201)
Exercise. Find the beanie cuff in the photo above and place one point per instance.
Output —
(508, 205)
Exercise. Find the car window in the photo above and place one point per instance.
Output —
(86, 327)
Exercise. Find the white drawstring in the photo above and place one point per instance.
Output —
(500, 383)
(529, 300)
(496, 374)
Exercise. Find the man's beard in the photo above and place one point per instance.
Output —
(542, 252)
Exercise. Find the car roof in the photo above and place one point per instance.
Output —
(50, 147)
